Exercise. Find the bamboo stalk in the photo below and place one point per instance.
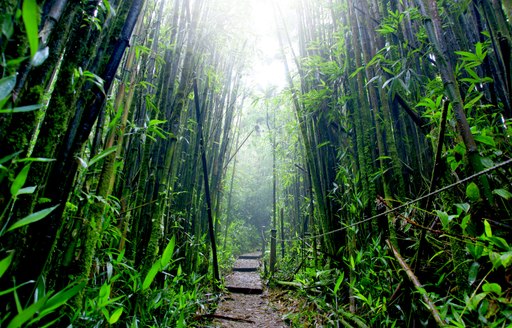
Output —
(431, 306)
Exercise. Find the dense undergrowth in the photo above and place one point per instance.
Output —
(384, 166)
(371, 289)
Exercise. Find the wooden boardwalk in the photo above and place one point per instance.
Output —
(247, 303)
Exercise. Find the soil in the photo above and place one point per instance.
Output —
(248, 310)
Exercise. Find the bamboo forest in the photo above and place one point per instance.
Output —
(256, 163)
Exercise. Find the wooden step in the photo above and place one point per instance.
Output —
(245, 290)
(248, 269)
(250, 256)
(244, 282)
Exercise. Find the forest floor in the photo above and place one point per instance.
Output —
(248, 303)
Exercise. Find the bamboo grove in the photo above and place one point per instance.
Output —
(121, 124)
(394, 101)
(110, 156)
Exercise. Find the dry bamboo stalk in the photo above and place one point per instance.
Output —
(417, 284)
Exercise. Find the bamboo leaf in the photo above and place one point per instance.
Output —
(168, 251)
(473, 273)
(27, 314)
(34, 217)
(115, 316)
(10, 290)
(488, 140)
(338, 282)
(443, 217)
(156, 122)
(503, 193)
(26, 190)
(19, 181)
(5, 263)
(151, 275)
(62, 297)
(476, 300)
(472, 192)
(487, 228)
(101, 155)
(30, 14)
(468, 56)
(22, 109)
(6, 86)
(40, 57)
(35, 159)
(323, 144)
(9, 157)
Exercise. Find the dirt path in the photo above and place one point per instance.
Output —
(247, 304)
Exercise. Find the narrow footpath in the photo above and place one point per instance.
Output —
(247, 303)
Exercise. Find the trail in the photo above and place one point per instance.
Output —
(247, 304)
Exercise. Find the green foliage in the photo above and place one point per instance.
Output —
(34, 217)
(87, 76)
(160, 264)
(44, 305)
(5, 263)
(30, 14)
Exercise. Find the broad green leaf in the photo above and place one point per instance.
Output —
(487, 227)
(475, 300)
(107, 7)
(10, 290)
(475, 250)
(463, 207)
(6, 86)
(5, 263)
(469, 104)
(472, 192)
(62, 297)
(492, 288)
(338, 282)
(34, 217)
(26, 190)
(151, 276)
(486, 162)
(22, 109)
(443, 216)
(104, 293)
(19, 181)
(101, 155)
(469, 56)
(488, 140)
(499, 242)
(16, 61)
(179, 271)
(115, 316)
(156, 122)
(27, 314)
(30, 13)
(473, 273)
(7, 27)
(465, 221)
(35, 159)
(506, 259)
(105, 313)
(40, 57)
(9, 157)
(503, 193)
(168, 251)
